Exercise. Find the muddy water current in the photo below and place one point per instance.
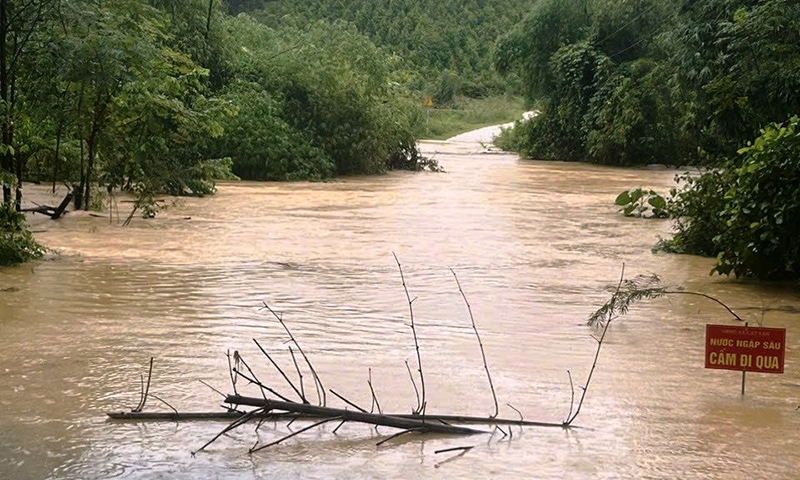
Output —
(534, 245)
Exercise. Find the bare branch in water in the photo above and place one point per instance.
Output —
(340, 397)
(416, 391)
(299, 373)
(212, 388)
(375, 402)
(317, 381)
(512, 407)
(230, 371)
(145, 389)
(280, 370)
(398, 434)
(421, 400)
(605, 322)
(572, 393)
(165, 403)
(480, 344)
(454, 449)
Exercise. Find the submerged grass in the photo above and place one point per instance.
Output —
(469, 114)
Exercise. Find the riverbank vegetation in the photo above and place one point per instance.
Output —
(17, 244)
(166, 96)
(711, 83)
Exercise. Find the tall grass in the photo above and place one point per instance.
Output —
(469, 114)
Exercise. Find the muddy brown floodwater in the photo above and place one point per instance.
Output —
(534, 245)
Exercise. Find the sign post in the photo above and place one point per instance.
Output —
(745, 349)
(428, 104)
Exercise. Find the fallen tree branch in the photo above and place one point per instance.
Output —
(351, 416)
(231, 414)
(213, 416)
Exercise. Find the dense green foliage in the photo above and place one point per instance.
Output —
(313, 102)
(653, 82)
(642, 203)
(677, 82)
(596, 69)
(746, 214)
(447, 43)
(167, 96)
(762, 206)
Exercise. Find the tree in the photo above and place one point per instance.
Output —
(18, 22)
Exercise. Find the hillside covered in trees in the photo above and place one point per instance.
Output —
(447, 45)
(714, 83)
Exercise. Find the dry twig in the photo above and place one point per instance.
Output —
(280, 370)
(420, 401)
(317, 381)
(287, 437)
(145, 390)
(480, 344)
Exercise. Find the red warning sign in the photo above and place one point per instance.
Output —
(749, 349)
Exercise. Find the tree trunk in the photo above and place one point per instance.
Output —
(10, 109)
(6, 160)
(98, 120)
(58, 151)
(79, 192)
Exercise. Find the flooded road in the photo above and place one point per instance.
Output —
(534, 244)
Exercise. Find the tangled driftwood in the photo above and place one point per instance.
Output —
(274, 404)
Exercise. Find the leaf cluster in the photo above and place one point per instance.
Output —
(629, 292)
(642, 203)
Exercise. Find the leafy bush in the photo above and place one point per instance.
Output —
(762, 207)
(745, 214)
(314, 101)
(16, 241)
(695, 205)
(265, 147)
